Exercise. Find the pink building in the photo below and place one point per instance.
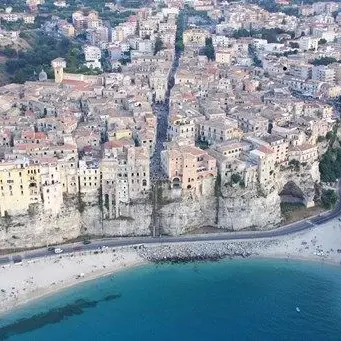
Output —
(187, 167)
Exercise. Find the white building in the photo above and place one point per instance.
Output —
(92, 56)
(308, 43)
(323, 74)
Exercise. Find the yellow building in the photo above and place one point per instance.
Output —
(195, 37)
(223, 55)
(58, 65)
(19, 186)
(118, 134)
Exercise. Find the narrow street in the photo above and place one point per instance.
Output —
(162, 112)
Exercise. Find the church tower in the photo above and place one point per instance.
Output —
(58, 65)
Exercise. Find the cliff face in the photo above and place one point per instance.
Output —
(38, 229)
(167, 211)
(136, 221)
(299, 185)
(249, 209)
(185, 215)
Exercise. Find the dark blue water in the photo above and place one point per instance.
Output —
(227, 300)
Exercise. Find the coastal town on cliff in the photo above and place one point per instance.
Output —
(169, 120)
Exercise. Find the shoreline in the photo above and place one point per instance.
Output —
(35, 297)
(127, 260)
(24, 283)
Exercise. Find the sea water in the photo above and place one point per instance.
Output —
(225, 300)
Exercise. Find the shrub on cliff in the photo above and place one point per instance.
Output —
(330, 165)
(328, 198)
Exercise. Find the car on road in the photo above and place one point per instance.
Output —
(17, 259)
(58, 250)
(51, 248)
(86, 241)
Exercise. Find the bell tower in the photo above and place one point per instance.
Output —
(58, 65)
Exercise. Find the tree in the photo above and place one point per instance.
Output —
(242, 32)
(158, 45)
(180, 27)
(294, 45)
(323, 61)
(295, 164)
(9, 52)
(330, 165)
(322, 41)
(235, 178)
(329, 135)
(209, 49)
(321, 138)
(328, 198)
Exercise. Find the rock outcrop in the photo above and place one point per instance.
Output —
(166, 211)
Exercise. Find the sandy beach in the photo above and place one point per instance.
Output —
(21, 283)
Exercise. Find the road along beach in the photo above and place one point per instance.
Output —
(31, 279)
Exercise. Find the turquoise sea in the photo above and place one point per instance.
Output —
(225, 300)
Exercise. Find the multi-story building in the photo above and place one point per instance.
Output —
(188, 167)
(308, 43)
(19, 186)
(323, 73)
(218, 130)
(181, 129)
(92, 56)
(195, 37)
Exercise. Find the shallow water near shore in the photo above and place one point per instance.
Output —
(226, 300)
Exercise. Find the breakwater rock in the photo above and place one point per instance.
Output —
(199, 251)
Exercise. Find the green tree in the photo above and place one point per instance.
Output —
(209, 49)
(294, 45)
(322, 41)
(329, 135)
(328, 198)
(9, 52)
(242, 32)
(158, 45)
(235, 178)
(180, 27)
(323, 61)
(330, 165)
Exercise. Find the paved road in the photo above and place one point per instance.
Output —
(225, 236)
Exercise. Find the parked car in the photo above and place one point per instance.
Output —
(58, 250)
(17, 259)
